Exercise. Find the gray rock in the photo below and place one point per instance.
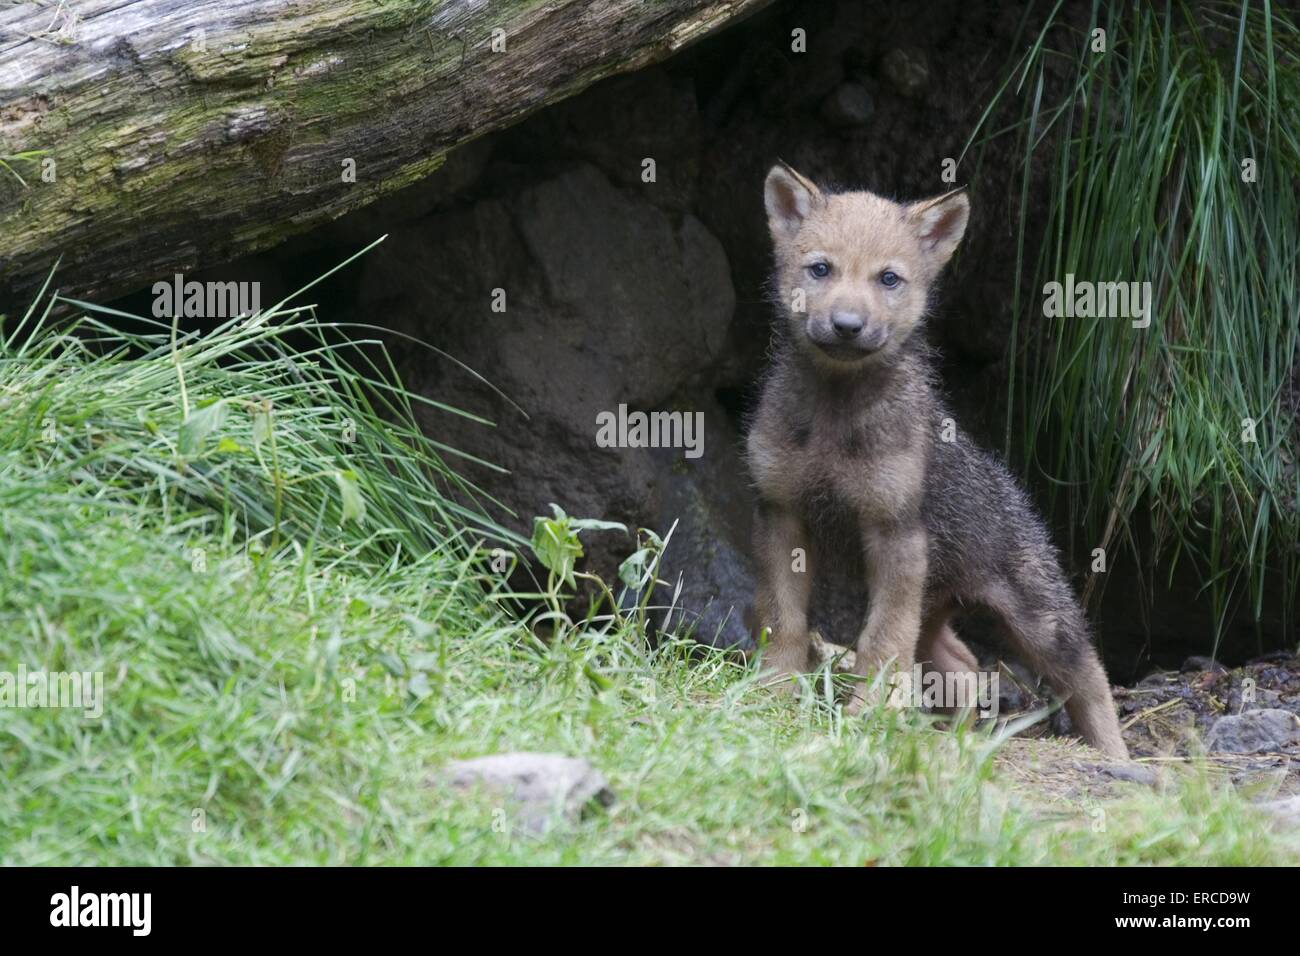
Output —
(1254, 731)
(1130, 772)
(847, 106)
(708, 557)
(610, 300)
(1286, 810)
(539, 784)
(1159, 679)
(1199, 663)
(907, 69)
(641, 302)
(1261, 698)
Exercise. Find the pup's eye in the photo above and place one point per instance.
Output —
(890, 279)
(819, 270)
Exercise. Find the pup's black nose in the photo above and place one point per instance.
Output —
(846, 324)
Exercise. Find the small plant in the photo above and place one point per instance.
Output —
(557, 546)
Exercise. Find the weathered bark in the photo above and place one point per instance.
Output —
(187, 133)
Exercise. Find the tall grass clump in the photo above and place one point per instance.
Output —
(283, 429)
(1171, 157)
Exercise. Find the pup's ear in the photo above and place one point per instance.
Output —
(940, 223)
(789, 198)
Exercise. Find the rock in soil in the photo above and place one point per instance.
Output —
(1129, 772)
(1255, 731)
(539, 784)
(848, 105)
(1198, 663)
(1245, 717)
(1286, 811)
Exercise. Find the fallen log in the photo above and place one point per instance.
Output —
(143, 137)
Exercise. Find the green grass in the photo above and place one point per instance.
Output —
(297, 629)
(1140, 150)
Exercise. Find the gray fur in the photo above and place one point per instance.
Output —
(849, 459)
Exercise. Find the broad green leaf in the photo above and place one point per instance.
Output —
(199, 426)
(592, 524)
(423, 661)
(354, 505)
(419, 686)
(556, 545)
(633, 570)
(555, 541)
(261, 426)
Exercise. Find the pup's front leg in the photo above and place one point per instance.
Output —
(896, 567)
(785, 583)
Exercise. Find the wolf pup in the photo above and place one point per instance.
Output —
(850, 424)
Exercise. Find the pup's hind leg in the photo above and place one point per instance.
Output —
(940, 651)
(1056, 644)
(1090, 704)
(785, 586)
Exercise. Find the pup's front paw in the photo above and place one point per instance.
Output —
(860, 696)
(783, 682)
(780, 662)
(871, 692)
(779, 673)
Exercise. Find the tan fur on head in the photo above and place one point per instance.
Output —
(854, 269)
